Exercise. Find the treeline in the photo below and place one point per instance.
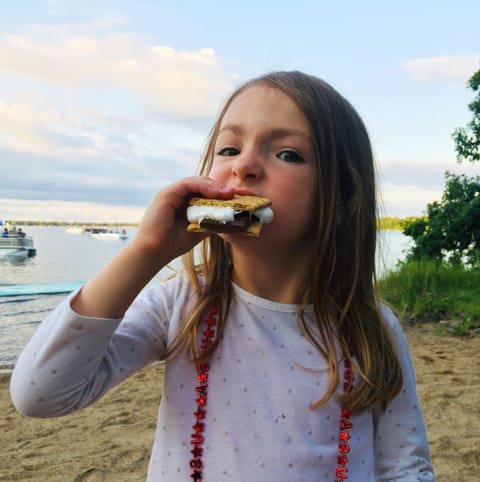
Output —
(18, 222)
(385, 223)
(397, 224)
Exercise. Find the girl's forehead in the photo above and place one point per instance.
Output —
(257, 93)
(261, 103)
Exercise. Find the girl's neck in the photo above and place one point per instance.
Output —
(281, 281)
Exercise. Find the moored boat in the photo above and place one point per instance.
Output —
(103, 233)
(75, 230)
(16, 249)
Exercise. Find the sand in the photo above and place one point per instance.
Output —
(111, 440)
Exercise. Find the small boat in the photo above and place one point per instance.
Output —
(13, 254)
(103, 233)
(74, 230)
(17, 248)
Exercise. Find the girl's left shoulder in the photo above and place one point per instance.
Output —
(388, 315)
(396, 330)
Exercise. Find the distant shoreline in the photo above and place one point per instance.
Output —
(17, 222)
(387, 223)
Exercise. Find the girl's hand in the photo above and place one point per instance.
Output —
(162, 231)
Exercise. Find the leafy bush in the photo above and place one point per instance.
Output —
(428, 291)
(451, 230)
(467, 140)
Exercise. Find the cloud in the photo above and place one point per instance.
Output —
(405, 188)
(47, 127)
(447, 68)
(403, 200)
(176, 84)
(107, 181)
(93, 116)
(429, 174)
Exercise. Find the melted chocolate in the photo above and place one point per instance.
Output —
(240, 223)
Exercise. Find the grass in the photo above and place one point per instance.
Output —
(429, 292)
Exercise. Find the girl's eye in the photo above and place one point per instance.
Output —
(290, 156)
(228, 151)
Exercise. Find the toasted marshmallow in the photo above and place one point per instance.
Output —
(196, 214)
(241, 214)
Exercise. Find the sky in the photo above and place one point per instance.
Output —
(103, 103)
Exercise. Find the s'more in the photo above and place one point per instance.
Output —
(241, 214)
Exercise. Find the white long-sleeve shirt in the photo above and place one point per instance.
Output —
(264, 375)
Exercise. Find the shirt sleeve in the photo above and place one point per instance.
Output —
(72, 360)
(401, 445)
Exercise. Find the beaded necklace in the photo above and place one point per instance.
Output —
(201, 391)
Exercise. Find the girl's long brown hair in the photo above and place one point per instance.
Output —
(342, 284)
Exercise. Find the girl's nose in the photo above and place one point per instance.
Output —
(248, 166)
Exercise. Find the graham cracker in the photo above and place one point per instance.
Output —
(238, 202)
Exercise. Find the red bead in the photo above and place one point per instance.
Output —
(198, 427)
(196, 476)
(197, 451)
(345, 424)
(206, 343)
(203, 389)
(202, 401)
(342, 460)
(209, 332)
(211, 321)
(196, 463)
(196, 439)
(346, 413)
(202, 377)
(344, 436)
(344, 448)
(200, 414)
(341, 472)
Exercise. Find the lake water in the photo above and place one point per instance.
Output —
(64, 257)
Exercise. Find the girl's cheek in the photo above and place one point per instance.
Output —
(218, 173)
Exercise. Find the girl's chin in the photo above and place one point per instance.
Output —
(234, 238)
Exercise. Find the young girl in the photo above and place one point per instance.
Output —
(281, 364)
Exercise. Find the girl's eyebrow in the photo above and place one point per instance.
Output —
(275, 133)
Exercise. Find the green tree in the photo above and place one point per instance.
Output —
(467, 140)
(451, 230)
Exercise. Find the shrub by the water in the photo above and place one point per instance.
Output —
(428, 291)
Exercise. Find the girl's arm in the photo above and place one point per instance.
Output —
(401, 444)
(83, 348)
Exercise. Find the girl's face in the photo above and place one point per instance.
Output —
(264, 147)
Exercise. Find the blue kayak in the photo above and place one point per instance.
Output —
(39, 288)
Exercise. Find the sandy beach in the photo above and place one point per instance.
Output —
(111, 440)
